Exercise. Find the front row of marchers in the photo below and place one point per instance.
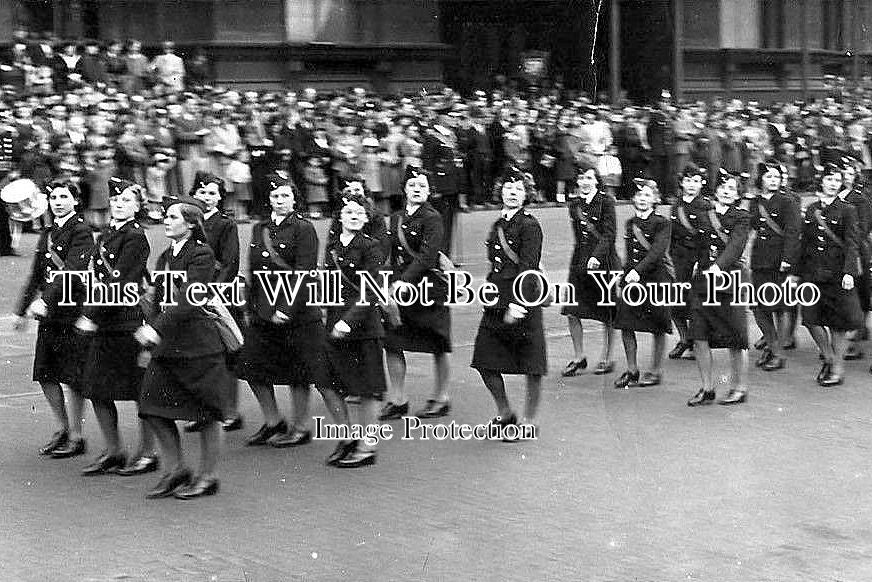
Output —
(176, 364)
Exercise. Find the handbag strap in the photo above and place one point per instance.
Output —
(818, 216)
(640, 237)
(773, 226)
(682, 218)
(52, 254)
(510, 252)
(402, 237)
(716, 224)
(273, 255)
(586, 223)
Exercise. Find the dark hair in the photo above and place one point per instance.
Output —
(583, 167)
(765, 167)
(415, 172)
(194, 216)
(202, 179)
(515, 174)
(66, 184)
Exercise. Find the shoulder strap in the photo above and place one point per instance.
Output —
(586, 222)
(773, 226)
(682, 218)
(402, 237)
(716, 224)
(276, 258)
(640, 237)
(55, 258)
(818, 216)
(510, 252)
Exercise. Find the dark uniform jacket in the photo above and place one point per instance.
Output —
(185, 329)
(223, 237)
(595, 229)
(126, 251)
(437, 157)
(72, 244)
(295, 248)
(863, 206)
(823, 259)
(423, 232)
(524, 236)
(652, 263)
(713, 250)
(363, 253)
(684, 239)
(772, 247)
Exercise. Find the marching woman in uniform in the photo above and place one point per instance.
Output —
(223, 238)
(355, 363)
(375, 226)
(852, 193)
(187, 376)
(284, 343)
(647, 236)
(416, 237)
(722, 325)
(66, 246)
(111, 369)
(510, 337)
(775, 252)
(592, 213)
(830, 259)
(687, 217)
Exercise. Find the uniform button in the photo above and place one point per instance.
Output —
(497, 247)
(111, 256)
(820, 248)
(498, 259)
(99, 261)
(48, 255)
(116, 273)
(252, 245)
(60, 248)
(264, 254)
(282, 245)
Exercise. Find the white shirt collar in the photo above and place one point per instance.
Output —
(62, 221)
(410, 210)
(510, 214)
(276, 219)
(117, 225)
(588, 198)
(177, 246)
(210, 214)
(688, 199)
(644, 215)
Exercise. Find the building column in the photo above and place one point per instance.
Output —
(677, 49)
(615, 52)
(806, 57)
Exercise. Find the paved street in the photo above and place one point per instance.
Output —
(620, 486)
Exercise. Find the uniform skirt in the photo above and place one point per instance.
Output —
(589, 298)
(423, 329)
(187, 388)
(723, 325)
(356, 367)
(837, 308)
(60, 353)
(111, 368)
(645, 317)
(280, 354)
(517, 348)
(683, 258)
(761, 277)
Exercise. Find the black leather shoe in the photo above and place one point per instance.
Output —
(760, 344)
(774, 363)
(194, 426)
(650, 379)
(357, 459)
(510, 419)
(853, 353)
(199, 488)
(434, 409)
(734, 397)
(574, 367)
(826, 367)
(831, 380)
(138, 466)
(265, 432)
(679, 350)
(604, 368)
(702, 398)
(391, 411)
(73, 448)
(764, 358)
(58, 440)
(231, 424)
(627, 379)
(789, 344)
(104, 464)
(342, 450)
(294, 438)
(169, 483)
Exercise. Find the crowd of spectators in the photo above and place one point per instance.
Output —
(89, 112)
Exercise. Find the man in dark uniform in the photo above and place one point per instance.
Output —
(8, 138)
(776, 218)
(688, 219)
(660, 137)
(439, 158)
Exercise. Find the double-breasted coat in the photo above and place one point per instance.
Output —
(688, 221)
(777, 222)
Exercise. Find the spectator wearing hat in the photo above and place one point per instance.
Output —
(722, 325)
(156, 175)
(92, 65)
(169, 69)
(190, 130)
(137, 68)
(224, 145)
(67, 69)
(369, 167)
(646, 239)
(198, 70)
(98, 167)
(391, 170)
(114, 64)
(317, 177)
(439, 159)
(131, 154)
